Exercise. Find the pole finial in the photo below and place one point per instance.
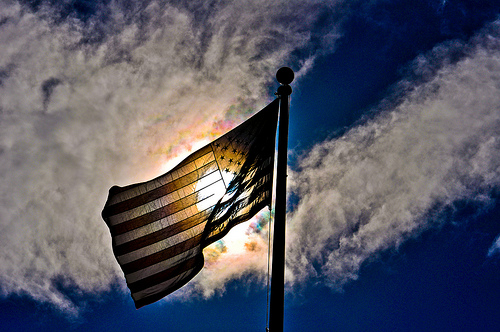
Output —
(285, 75)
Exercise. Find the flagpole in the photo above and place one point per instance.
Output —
(284, 76)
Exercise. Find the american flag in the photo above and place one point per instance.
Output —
(160, 227)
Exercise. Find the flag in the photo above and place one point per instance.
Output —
(160, 227)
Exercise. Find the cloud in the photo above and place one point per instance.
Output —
(495, 247)
(109, 94)
(104, 94)
(436, 142)
(240, 258)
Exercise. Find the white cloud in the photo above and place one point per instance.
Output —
(388, 179)
(89, 102)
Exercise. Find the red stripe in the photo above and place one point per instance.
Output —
(162, 234)
(163, 275)
(161, 255)
(175, 286)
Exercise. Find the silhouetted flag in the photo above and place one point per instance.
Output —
(160, 227)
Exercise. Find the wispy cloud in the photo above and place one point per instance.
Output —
(106, 94)
(435, 143)
(495, 247)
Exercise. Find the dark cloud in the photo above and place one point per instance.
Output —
(48, 87)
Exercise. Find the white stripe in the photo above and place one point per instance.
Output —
(160, 245)
(162, 266)
(161, 286)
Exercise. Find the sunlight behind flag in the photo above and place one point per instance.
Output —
(160, 227)
(217, 187)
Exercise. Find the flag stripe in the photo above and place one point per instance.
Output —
(161, 245)
(157, 214)
(166, 197)
(120, 194)
(170, 187)
(161, 255)
(162, 233)
(248, 210)
(184, 214)
(161, 276)
(158, 291)
(162, 266)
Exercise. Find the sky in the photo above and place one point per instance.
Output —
(394, 158)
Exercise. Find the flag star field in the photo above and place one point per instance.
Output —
(393, 164)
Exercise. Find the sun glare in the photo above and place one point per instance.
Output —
(210, 185)
(172, 162)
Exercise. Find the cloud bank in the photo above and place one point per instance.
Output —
(434, 144)
(108, 93)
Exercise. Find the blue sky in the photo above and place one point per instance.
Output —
(394, 158)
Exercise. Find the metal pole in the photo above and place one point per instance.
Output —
(284, 76)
